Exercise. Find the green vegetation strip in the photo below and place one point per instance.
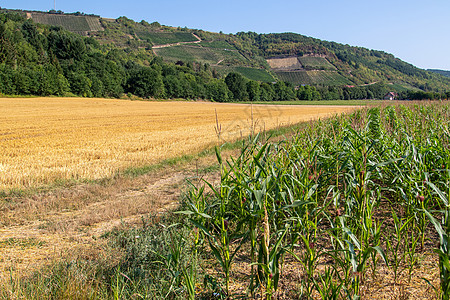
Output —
(324, 102)
(21, 242)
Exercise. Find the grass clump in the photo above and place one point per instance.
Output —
(154, 261)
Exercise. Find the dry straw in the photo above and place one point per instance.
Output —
(47, 139)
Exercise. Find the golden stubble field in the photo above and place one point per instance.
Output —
(48, 139)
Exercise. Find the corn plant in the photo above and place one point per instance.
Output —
(269, 259)
(443, 230)
(397, 247)
(326, 285)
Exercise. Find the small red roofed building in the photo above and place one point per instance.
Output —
(390, 96)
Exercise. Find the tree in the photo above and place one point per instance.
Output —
(237, 85)
(7, 75)
(305, 92)
(80, 84)
(283, 91)
(146, 82)
(173, 86)
(267, 92)
(253, 90)
(66, 45)
(217, 90)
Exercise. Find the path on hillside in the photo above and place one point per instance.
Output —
(219, 62)
(371, 83)
(179, 43)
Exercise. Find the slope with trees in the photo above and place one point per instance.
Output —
(37, 59)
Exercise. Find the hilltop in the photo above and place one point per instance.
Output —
(291, 60)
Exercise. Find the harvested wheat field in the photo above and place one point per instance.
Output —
(48, 139)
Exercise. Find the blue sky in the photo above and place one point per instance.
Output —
(415, 31)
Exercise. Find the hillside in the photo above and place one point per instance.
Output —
(116, 55)
(268, 53)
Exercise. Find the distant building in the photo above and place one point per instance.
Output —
(390, 96)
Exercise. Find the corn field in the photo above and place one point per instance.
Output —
(349, 200)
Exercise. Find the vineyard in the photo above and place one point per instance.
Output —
(188, 53)
(250, 73)
(327, 78)
(316, 63)
(162, 38)
(208, 55)
(217, 44)
(313, 77)
(295, 77)
(69, 22)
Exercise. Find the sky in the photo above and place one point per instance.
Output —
(415, 31)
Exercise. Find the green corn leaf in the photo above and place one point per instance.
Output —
(439, 193)
(381, 253)
(201, 227)
(216, 192)
(311, 191)
(297, 203)
(260, 170)
(352, 237)
(204, 215)
(437, 226)
(218, 155)
(185, 212)
(429, 283)
(259, 195)
(217, 254)
(443, 258)
(351, 248)
(261, 151)
(275, 248)
(263, 266)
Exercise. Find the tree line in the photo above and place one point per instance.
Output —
(45, 60)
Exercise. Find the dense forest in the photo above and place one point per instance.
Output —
(44, 60)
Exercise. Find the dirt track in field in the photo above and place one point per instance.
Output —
(41, 228)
